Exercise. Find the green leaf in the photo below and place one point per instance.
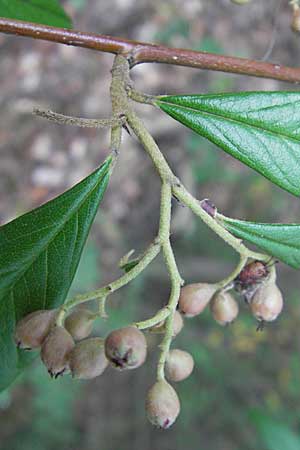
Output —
(277, 239)
(275, 435)
(40, 252)
(260, 129)
(47, 12)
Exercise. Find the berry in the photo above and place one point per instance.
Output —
(179, 365)
(267, 302)
(162, 405)
(87, 359)
(126, 348)
(32, 330)
(224, 308)
(194, 298)
(56, 350)
(177, 325)
(252, 273)
(80, 323)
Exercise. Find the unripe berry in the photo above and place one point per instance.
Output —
(267, 302)
(32, 330)
(126, 348)
(194, 298)
(80, 323)
(87, 359)
(56, 350)
(224, 308)
(162, 405)
(179, 365)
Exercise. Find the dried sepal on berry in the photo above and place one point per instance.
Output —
(126, 348)
(267, 302)
(179, 365)
(194, 298)
(32, 330)
(80, 323)
(224, 308)
(162, 405)
(87, 359)
(56, 350)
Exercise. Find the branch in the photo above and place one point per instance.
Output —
(141, 52)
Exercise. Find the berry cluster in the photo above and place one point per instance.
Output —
(255, 283)
(68, 347)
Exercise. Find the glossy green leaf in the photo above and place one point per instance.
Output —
(260, 129)
(40, 252)
(46, 12)
(279, 240)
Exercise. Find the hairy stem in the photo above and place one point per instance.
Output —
(176, 281)
(151, 252)
(239, 267)
(187, 199)
(76, 121)
(142, 52)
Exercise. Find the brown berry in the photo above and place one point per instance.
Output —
(162, 405)
(87, 359)
(295, 23)
(267, 302)
(56, 350)
(252, 273)
(32, 330)
(194, 298)
(80, 323)
(224, 308)
(126, 348)
(179, 365)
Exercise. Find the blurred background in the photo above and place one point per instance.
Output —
(244, 393)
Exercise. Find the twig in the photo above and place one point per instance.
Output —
(141, 52)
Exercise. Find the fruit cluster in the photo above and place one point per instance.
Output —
(255, 283)
(68, 347)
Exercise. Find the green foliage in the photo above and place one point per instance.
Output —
(39, 11)
(260, 129)
(40, 252)
(275, 435)
(279, 240)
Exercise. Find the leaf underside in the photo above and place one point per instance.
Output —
(279, 240)
(47, 12)
(260, 129)
(40, 252)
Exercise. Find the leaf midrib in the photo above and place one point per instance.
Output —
(230, 119)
